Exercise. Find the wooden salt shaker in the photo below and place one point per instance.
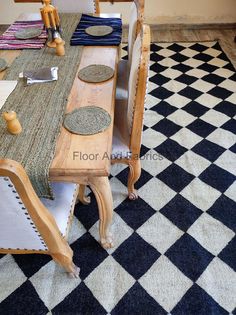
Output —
(60, 49)
(13, 124)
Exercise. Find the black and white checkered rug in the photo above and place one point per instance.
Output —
(175, 247)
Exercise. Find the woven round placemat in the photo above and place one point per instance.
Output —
(99, 30)
(87, 121)
(3, 64)
(96, 73)
(28, 33)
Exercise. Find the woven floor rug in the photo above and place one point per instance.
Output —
(175, 247)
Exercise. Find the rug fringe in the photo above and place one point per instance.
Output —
(186, 41)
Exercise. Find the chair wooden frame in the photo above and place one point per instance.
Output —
(136, 133)
(96, 3)
(97, 7)
(135, 137)
(140, 9)
(140, 4)
(45, 223)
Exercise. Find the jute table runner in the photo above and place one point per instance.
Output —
(40, 108)
(3, 64)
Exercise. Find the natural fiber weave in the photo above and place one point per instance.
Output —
(99, 30)
(40, 108)
(88, 120)
(3, 64)
(28, 33)
(96, 73)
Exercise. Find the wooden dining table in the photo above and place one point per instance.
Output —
(85, 160)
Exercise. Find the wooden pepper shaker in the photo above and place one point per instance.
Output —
(13, 124)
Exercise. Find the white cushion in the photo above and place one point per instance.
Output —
(62, 206)
(133, 80)
(16, 227)
(132, 30)
(17, 230)
(120, 149)
(122, 80)
(125, 103)
(74, 6)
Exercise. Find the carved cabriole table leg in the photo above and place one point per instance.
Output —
(102, 191)
(81, 196)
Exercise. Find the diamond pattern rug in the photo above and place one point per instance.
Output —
(175, 247)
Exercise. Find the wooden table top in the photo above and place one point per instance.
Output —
(77, 155)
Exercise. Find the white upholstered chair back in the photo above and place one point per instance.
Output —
(17, 230)
(133, 79)
(135, 24)
(74, 6)
(129, 112)
(32, 225)
(137, 89)
(132, 29)
(25, 219)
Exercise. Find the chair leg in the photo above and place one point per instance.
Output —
(64, 259)
(134, 175)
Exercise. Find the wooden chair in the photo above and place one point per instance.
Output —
(73, 6)
(135, 22)
(32, 225)
(135, 25)
(129, 112)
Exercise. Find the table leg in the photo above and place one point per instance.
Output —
(81, 196)
(102, 191)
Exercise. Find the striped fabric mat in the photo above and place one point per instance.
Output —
(81, 38)
(8, 40)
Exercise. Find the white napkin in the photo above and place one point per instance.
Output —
(6, 88)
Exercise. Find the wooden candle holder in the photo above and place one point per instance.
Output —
(51, 21)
